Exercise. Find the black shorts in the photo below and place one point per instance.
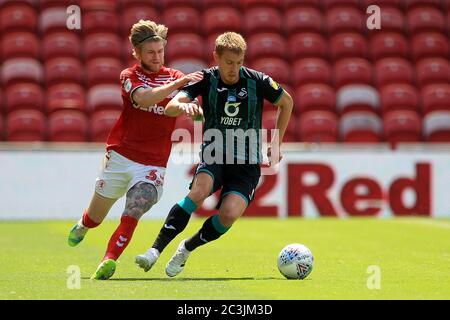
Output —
(240, 179)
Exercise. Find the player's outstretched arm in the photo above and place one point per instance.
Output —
(150, 96)
(181, 104)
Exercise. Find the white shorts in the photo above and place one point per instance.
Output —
(119, 174)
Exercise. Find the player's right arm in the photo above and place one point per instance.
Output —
(182, 102)
(150, 96)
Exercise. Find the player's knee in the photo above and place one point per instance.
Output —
(228, 216)
(198, 195)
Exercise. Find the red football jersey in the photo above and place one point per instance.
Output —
(142, 133)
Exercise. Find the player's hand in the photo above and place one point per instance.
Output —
(191, 78)
(274, 155)
(191, 109)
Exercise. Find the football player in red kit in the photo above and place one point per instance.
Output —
(138, 146)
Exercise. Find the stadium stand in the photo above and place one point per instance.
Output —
(349, 83)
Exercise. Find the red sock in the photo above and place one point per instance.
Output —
(120, 238)
(88, 222)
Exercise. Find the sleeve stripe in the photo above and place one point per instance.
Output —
(131, 94)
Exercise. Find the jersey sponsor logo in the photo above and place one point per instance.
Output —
(127, 85)
(232, 108)
(155, 109)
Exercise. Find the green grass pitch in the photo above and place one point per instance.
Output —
(412, 254)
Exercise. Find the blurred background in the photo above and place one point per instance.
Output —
(370, 131)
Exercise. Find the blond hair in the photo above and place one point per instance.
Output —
(146, 30)
(230, 41)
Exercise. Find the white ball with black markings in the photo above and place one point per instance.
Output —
(295, 261)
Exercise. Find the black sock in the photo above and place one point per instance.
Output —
(209, 232)
(175, 223)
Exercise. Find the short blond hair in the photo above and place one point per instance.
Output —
(230, 41)
(145, 30)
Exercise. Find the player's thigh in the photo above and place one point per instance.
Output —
(241, 180)
(207, 179)
(232, 207)
(140, 199)
(99, 207)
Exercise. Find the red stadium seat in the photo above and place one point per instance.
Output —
(24, 96)
(26, 125)
(68, 126)
(103, 71)
(314, 97)
(185, 45)
(2, 127)
(102, 45)
(100, 21)
(20, 17)
(262, 19)
(53, 20)
(399, 97)
(357, 97)
(382, 3)
(427, 19)
(21, 70)
(44, 4)
(7, 3)
(361, 127)
(291, 4)
(402, 126)
(104, 97)
(266, 45)
(124, 4)
(20, 44)
(388, 44)
(344, 45)
(318, 127)
(328, 4)
(182, 19)
(100, 5)
(1, 101)
(269, 121)
(208, 4)
(61, 44)
(392, 19)
(352, 70)
(278, 69)
(433, 70)
(101, 124)
(345, 19)
(188, 65)
(168, 4)
(436, 127)
(436, 97)
(410, 4)
(221, 19)
(131, 15)
(303, 19)
(65, 69)
(393, 70)
(249, 4)
(307, 45)
(66, 96)
(431, 44)
(311, 70)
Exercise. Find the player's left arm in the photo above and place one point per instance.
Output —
(285, 106)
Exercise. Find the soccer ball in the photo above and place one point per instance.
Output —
(295, 261)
